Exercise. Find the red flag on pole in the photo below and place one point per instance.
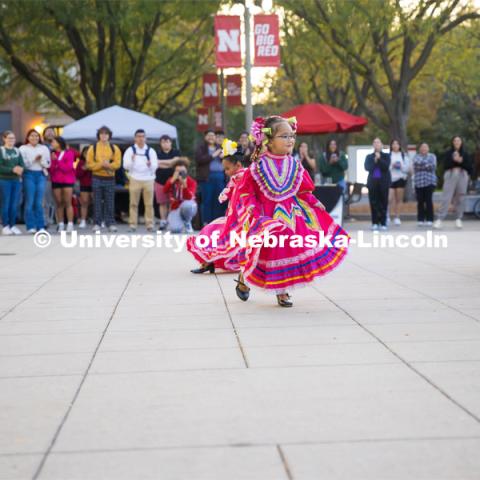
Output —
(227, 41)
(202, 119)
(234, 90)
(211, 95)
(267, 41)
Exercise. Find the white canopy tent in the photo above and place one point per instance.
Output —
(123, 123)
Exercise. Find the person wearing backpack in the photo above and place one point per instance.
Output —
(141, 162)
(11, 170)
(103, 159)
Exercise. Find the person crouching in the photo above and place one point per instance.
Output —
(181, 189)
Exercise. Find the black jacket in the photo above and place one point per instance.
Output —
(466, 164)
(383, 163)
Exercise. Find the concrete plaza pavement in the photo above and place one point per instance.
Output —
(120, 364)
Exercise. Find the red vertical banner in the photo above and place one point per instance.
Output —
(211, 95)
(202, 119)
(234, 90)
(267, 41)
(217, 119)
(227, 41)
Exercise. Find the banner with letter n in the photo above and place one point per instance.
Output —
(227, 41)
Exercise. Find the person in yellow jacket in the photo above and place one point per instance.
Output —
(103, 159)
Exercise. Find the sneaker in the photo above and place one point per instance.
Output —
(388, 221)
(132, 229)
(374, 227)
(163, 224)
(397, 221)
(97, 228)
(69, 227)
(428, 224)
(83, 224)
(458, 223)
(150, 229)
(437, 224)
(15, 230)
(421, 224)
(112, 229)
(188, 228)
(60, 227)
(383, 228)
(103, 225)
(6, 230)
(32, 231)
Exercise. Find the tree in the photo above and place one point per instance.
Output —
(394, 42)
(312, 74)
(85, 55)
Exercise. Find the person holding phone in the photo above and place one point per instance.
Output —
(458, 168)
(379, 179)
(36, 157)
(210, 177)
(334, 164)
(181, 189)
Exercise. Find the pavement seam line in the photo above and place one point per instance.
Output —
(235, 331)
(283, 458)
(30, 295)
(405, 362)
(39, 469)
(426, 295)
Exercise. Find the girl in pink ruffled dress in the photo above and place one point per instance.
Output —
(276, 191)
(221, 254)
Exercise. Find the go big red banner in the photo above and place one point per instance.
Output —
(227, 41)
(267, 41)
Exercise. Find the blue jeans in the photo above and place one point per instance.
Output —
(34, 186)
(343, 184)
(210, 207)
(10, 190)
(182, 216)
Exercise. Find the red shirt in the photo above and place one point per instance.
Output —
(85, 176)
(178, 194)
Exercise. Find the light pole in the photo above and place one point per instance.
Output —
(248, 70)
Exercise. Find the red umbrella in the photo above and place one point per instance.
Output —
(320, 118)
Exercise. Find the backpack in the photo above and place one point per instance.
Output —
(146, 154)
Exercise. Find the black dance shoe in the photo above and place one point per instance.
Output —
(242, 294)
(284, 302)
(210, 267)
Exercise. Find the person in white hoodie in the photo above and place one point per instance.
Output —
(141, 162)
(36, 157)
(399, 168)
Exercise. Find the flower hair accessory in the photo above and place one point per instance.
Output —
(293, 123)
(229, 147)
(259, 133)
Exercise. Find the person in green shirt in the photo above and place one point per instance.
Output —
(11, 170)
(333, 164)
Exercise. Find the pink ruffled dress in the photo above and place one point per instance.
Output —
(222, 255)
(277, 193)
